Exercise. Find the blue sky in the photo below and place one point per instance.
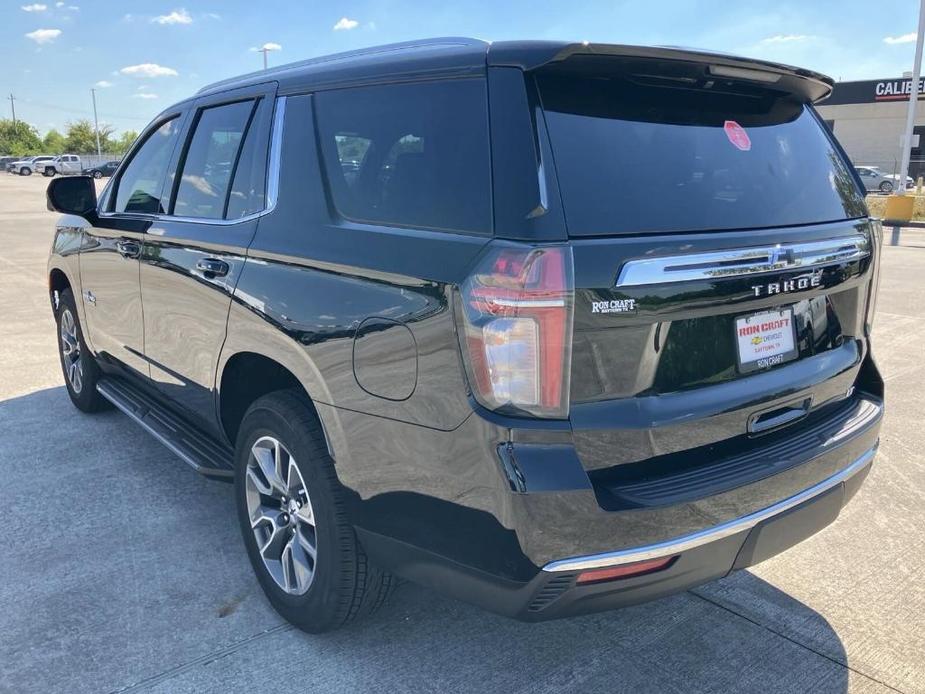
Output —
(142, 56)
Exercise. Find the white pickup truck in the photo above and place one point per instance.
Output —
(65, 164)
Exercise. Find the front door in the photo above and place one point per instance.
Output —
(194, 254)
(109, 256)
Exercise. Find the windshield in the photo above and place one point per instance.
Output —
(634, 157)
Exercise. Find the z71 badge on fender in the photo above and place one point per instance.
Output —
(793, 285)
(614, 306)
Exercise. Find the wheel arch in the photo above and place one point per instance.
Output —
(248, 375)
(57, 282)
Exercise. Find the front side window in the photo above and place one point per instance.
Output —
(210, 160)
(409, 155)
(139, 187)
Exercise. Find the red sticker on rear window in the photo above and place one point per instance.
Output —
(737, 135)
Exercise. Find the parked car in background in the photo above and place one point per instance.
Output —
(29, 165)
(875, 179)
(6, 161)
(103, 170)
(64, 164)
(421, 350)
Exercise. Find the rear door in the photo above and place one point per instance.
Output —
(722, 256)
(193, 255)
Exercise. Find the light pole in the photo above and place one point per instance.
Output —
(913, 102)
(13, 106)
(96, 123)
(266, 48)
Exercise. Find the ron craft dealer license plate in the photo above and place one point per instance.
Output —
(765, 339)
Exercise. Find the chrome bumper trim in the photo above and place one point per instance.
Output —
(713, 265)
(708, 535)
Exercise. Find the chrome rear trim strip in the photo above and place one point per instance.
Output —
(744, 261)
(717, 532)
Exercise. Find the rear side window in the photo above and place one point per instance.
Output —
(139, 187)
(413, 155)
(634, 157)
(211, 160)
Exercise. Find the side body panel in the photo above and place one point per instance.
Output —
(311, 282)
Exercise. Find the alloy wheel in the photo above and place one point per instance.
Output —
(70, 350)
(281, 515)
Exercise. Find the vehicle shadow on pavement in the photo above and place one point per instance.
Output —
(123, 570)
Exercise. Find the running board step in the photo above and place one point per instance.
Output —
(199, 450)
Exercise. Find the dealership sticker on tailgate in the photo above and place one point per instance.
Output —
(765, 339)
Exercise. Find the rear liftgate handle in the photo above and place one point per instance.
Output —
(761, 422)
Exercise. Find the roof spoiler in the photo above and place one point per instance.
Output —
(531, 55)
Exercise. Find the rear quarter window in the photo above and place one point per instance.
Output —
(409, 155)
(636, 158)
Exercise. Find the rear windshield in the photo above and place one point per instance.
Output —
(634, 157)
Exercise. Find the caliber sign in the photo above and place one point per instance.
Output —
(872, 91)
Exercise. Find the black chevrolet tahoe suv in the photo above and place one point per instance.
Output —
(548, 327)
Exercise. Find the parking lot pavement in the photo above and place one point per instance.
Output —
(121, 570)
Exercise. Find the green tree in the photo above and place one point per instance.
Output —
(121, 144)
(18, 140)
(54, 142)
(81, 137)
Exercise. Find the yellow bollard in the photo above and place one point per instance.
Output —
(918, 186)
(899, 207)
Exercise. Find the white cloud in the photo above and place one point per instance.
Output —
(180, 16)
(59, 4)
(787, 38)
(345, 24)
(41, 36)
(212, 15)
(148, 70)
(905, 38)
(270, 46)
(144, 95)
(102, 84)
(34, 7)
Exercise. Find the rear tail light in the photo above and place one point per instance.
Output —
(516, 325)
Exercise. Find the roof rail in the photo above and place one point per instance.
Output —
(348, 55)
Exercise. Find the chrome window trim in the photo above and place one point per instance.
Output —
(272, 194)
(684, 543)
(743, 261)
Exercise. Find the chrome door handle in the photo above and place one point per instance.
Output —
(128, 249)
(212, 267)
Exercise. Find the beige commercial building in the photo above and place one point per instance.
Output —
(868, 118)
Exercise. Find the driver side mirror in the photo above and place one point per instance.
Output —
(72, 195)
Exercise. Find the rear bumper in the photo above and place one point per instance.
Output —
(701, 556)
(734, 527)
(518, 549)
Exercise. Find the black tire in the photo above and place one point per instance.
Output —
(97, 174)
(84, 395)
(25, 171)
(344, 585)
(886, 187)
(49, 172)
